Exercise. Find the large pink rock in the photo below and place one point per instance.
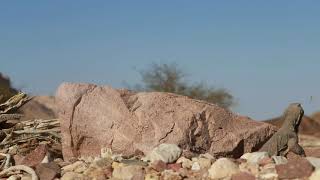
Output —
(93, 117)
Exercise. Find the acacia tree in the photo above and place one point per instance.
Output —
(169, 78)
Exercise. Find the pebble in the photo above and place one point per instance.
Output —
(167, 153)
(314, 161)
(254, 157)
(223, 168)
(315, 175)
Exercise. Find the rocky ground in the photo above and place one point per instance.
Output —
(168, 161)
(103, 133)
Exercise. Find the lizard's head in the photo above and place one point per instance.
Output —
(293, 115)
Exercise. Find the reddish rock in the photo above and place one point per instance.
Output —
(295, 168)
(33, 158)
(243, 176)
(175, 166)
(48, 171)
(93, 117)
(293, 156)
(159, 166)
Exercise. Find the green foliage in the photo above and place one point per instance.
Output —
(169, 78)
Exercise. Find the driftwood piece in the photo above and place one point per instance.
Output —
(27, 169)
(14, 103)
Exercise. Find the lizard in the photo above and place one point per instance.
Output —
(286, 138)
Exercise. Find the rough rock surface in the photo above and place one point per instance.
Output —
(33, 158)
(93, 117)
(295, 168)
(48, 171)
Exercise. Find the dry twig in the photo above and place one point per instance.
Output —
(27, 169)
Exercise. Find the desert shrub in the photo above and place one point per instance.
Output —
(6, 89)
(169, 78)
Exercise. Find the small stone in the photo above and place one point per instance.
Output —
(268, 176)
(152, 177)
(73, 176)
(195, 166)
(48, 171)
(204, 163)
(207, 156)
(96, 173)
(61, 162)
(175, 167)
(170, 175)
(14, 177)
(167, 153)
(280, 160)
(108, 171)
(254, 157)
(222, 168)
(295, 168)
(87, 159)
(48, 158)
(268, 171)
(314, 161)
(243, 176)
(127, 172)
(116, 165)
(134, 162)
(187, 154)
(140, 175)
(186, 163)
(26, 177)
(292, 156)
(34, 157)
(159, 166)
(117, 157)
(315, 175)
(102, 162)
(251, 168)
(78, 167)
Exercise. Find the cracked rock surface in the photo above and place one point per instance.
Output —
(93, 117)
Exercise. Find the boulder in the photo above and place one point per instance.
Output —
(48, 171)
(295, 169)
(94, 117)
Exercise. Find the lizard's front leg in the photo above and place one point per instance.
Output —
(294, 147)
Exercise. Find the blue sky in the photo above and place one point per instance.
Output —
(266, 53)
